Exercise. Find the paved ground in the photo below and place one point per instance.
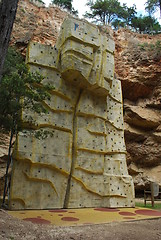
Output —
(85, 216)
(15, 229)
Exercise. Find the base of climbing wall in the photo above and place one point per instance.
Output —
(86, 216)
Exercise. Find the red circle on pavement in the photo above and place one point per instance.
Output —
(147, 212)
(70, 219)
(58, 210)
(37, 220)
(127, 213)
(107, 209)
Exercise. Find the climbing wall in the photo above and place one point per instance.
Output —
(74, 156)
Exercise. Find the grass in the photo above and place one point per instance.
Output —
(157, 206)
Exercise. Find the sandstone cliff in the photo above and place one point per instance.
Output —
(39, 24)
(137, 65)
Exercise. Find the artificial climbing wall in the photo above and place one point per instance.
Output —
(74, 156)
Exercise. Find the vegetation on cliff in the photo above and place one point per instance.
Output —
(108, 11)
(112, 12)
(65, 4)
(19, 89)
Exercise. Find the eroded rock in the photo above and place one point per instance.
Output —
(141, 117)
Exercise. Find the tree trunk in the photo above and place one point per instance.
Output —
(7, 181)
(8, 10)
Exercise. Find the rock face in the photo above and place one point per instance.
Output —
(137, 65)
(81, 162)
(39, 24)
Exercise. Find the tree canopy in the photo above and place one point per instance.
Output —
(19, 89)
(104, 11)
(112, 12)
(126, 17)
(65, 4)
(146, 24)
(152, 6)
(41, 1)
(128, 14)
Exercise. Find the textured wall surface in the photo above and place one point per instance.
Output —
(74, 156)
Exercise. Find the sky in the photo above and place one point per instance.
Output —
(80, 5)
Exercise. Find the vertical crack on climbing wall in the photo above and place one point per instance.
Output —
(67, 195)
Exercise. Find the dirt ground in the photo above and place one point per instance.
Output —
(15, 229)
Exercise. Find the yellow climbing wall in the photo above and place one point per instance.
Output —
(74, 156)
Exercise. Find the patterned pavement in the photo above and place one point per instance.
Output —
(86, 216)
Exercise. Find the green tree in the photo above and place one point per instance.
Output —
(138, 24)
(129, 13)
(41, 1)
(117, 23)
(111, 11)
(19, 89)
(152, 6)
(146, 24)
(65, 4)
(104, 11)
(126, 17)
